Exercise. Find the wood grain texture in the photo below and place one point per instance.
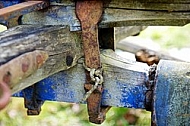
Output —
(62, 46)
(165, 5)
(124, 83)
(117, 13)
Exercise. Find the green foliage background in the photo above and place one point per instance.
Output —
(63, 114)
(168, 37)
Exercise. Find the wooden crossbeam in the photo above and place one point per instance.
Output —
(117, 13)
(16, 10)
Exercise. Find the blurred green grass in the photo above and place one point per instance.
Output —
(59, 114)
(168, 37)
(2, 28)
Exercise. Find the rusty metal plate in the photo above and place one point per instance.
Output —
(89, 14)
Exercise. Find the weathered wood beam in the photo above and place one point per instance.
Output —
(157, 5)
(139, 4)
(124, 83)
(117, 13)
(63, 47)
(126, 17)
(17, 10)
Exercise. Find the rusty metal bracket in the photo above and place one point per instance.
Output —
(32, 100)
(89, 14)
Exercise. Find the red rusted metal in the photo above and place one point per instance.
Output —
(5, 95)
(10, 12)
(17, 69)
(89, 14)
(32, 101)
(21, 67)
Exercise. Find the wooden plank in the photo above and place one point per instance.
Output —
(124, 83)
(146, 9)
(16, 10)
(62, 46)
(124, 17)
(157, 5)
(117, 14)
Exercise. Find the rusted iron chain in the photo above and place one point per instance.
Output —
(96, 76)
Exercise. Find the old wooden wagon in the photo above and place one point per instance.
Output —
(41, 57)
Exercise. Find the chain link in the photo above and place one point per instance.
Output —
(96, 76)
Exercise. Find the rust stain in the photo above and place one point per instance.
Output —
(89, 14)
(6, 77)
(25, 66)
(33, 112)
(41, 58)
(19, 68)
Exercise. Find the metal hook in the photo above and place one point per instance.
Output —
(6, 94)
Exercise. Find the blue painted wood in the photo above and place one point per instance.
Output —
(172, 94)
(124, 86)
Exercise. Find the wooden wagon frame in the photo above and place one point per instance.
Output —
(41, 57)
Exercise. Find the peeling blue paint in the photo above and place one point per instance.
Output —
(172, 94)
(66, 86)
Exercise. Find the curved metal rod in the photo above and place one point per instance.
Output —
(6, 94)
